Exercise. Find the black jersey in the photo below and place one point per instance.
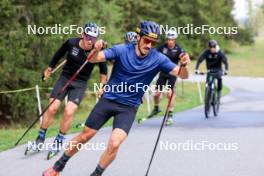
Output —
(213, 60)
(172, 53)
(75, 56)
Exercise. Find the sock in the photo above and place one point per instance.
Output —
(98, 171)
(156, 107)
(60, 137)
(60, 164)
(42, 133)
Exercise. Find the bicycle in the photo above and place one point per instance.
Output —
(212, 96)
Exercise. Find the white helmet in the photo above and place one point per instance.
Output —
(171, 34)
(91, 29)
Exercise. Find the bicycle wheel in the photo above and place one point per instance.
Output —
(216, 103)
(207, 101)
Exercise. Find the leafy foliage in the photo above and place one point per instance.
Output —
(23, 57)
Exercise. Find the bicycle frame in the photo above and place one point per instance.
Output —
(211, 94)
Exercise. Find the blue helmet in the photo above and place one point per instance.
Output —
(149, 29)
(212, 43)
(131, 37)
(91, 29)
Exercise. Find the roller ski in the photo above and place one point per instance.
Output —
(80, 125)
(36, 146)
(155, 111)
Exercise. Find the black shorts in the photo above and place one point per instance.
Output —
(124, 115)
(75, 90)
(163, 79)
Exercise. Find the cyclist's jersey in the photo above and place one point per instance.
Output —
(213, 60)
(75, 56)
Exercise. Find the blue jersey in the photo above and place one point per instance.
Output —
(131, 74)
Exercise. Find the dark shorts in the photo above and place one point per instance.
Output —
(124, 115)
(163, 79)
(75, 90)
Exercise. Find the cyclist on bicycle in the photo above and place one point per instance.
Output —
(214, 59)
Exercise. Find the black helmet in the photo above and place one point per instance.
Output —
(212, 43)
(149, 29)
(91, 29)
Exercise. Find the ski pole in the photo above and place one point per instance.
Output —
(53, 71)
(90, 56)
(162, 125)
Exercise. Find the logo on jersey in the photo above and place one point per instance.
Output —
(77, 100)
(165, 51)
(75, 51)
(212, 56)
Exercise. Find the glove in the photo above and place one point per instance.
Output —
(225, 72)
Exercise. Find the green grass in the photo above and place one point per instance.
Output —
(248, 60)
(184, 100)
(244, 60)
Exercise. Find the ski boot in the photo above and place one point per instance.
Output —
(169, 120)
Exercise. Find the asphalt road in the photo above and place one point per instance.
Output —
(231, 144)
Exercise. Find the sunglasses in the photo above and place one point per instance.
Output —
(89, 38)
(149, 41)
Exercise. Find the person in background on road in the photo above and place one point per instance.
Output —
(174, 52)
(134, 64)
(214, 59)
(76, 51)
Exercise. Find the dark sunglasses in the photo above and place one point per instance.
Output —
(89, 38)
(147, 41)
